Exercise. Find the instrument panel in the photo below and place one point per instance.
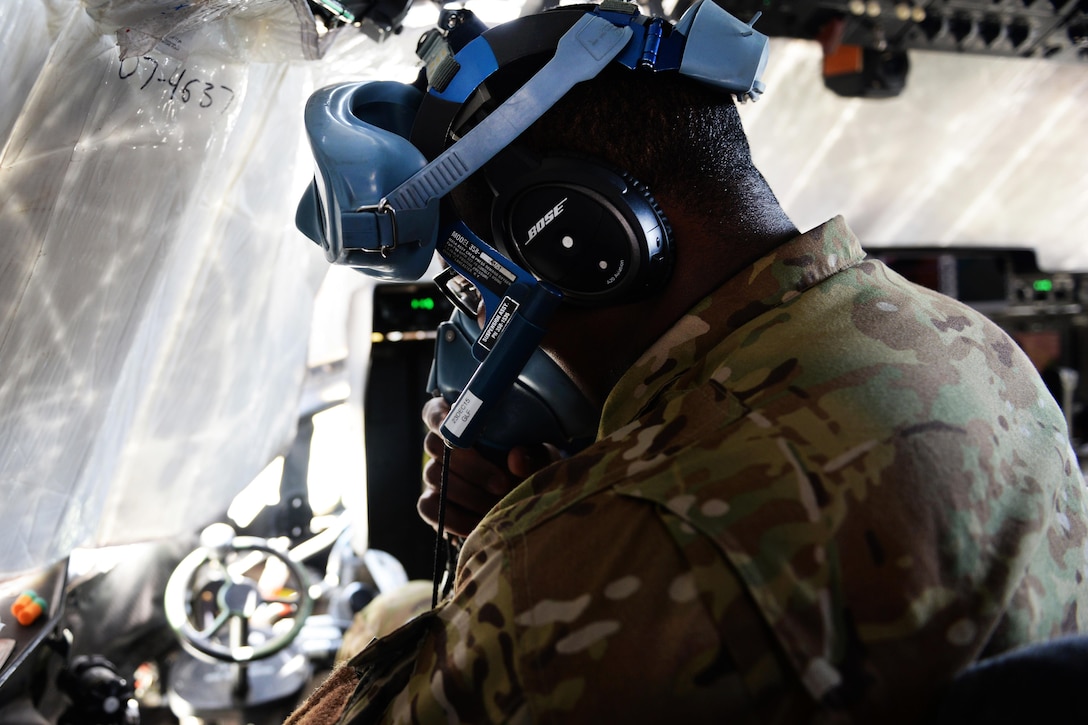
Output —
(1051, 29)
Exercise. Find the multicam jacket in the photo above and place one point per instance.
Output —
(817, 497)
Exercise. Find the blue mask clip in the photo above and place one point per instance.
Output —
(519, 308)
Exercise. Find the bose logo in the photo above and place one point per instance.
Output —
(547, 219)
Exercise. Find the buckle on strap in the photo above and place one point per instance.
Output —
(382, 207)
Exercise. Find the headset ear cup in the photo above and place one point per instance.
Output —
(655, 208)
(591, 230)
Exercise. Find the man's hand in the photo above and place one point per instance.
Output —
(475, 484)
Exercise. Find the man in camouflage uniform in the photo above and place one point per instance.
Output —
(818, 491)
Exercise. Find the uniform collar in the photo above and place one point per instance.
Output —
(771, 281)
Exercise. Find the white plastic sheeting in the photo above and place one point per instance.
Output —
(155, 299)
(976, 151)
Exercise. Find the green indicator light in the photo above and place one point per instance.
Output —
(1043, 285)
(423, 303)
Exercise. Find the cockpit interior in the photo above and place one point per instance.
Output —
(210, 438)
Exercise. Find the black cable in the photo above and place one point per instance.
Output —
(440, 535)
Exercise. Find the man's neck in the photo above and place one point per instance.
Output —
(597, 346)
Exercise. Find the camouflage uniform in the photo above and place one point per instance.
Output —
(817, 497)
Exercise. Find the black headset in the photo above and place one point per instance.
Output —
(593, 231)
(588, 228)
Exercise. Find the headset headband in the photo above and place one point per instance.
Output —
(374, 203)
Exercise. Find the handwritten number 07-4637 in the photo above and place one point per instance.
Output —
(185, 92)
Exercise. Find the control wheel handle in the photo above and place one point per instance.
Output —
(221, 568)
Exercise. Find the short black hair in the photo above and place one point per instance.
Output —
(678, 137)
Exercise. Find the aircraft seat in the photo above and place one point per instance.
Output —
(1045, 682)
